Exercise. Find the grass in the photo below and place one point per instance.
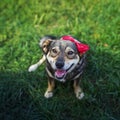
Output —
(23, 23)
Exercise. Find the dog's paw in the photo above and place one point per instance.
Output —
(79, 95)
(32, 67)
(48, 94)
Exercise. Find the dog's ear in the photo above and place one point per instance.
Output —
(45, 42)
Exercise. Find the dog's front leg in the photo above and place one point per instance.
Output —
(78, 91)
(35, 66)
(49, 91)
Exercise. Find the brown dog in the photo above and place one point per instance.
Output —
(65, 60)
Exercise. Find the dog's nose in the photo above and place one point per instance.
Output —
(59, 64)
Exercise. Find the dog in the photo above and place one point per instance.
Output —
(65, 60)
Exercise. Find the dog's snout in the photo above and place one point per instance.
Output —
(60, 64)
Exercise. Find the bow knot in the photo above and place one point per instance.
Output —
(82, 48)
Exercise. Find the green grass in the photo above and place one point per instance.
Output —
(23, 23)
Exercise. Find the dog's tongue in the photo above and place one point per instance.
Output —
(60, 73)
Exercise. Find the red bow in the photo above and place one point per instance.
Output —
(82, 48)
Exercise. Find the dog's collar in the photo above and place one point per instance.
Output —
(82, 48)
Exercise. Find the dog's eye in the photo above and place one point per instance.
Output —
(54, 51)
(70, 53)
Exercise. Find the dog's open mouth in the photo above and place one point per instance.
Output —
(60, 73)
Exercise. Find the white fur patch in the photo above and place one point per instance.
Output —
(80, 95)
(48, 94)
(35, 66)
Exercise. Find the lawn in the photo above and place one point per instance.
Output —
(23, 23)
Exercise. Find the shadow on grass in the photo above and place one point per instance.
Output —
(22, 93)
(19, 93)
(102, 81)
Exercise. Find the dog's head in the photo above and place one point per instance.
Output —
(61, 54)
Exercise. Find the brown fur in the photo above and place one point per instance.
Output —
(63, 62)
